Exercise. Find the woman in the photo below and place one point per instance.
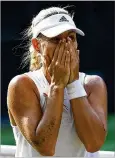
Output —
(54, 109)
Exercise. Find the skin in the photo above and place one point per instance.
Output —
(61, 67)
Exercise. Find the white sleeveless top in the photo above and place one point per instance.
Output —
(68, 142)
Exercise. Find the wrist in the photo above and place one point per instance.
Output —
(56, 90)
(76, 90)
(56, 86)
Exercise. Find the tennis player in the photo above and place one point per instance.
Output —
(54, 109)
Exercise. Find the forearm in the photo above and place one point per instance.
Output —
(88, 125)
(48, 128)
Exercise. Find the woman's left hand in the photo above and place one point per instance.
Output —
(74, 62)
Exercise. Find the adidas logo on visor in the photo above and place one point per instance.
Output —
(63, 19)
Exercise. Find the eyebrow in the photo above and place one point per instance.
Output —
(59, 35)
(68, 34)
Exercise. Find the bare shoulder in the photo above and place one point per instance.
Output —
(94, 83)
(21, 86)
(22, 82)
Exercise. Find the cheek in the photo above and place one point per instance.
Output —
(48, 51)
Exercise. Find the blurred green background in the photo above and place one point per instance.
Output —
(109, 145)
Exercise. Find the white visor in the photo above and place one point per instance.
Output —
(55, 25)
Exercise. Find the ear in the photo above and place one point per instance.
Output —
(36, 44)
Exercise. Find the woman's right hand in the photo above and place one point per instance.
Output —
(59, 67)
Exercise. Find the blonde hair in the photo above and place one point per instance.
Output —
(31, 56)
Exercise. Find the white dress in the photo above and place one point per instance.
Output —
(68, 143)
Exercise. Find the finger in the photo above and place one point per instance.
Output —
(70, 51)
(56, 52)
(70, 48)
(73, 57)
(70, 45)
(71, 54)
(78, 52)
(51, 66)
(61, 51)
(73, 50)
(69, 41)
(63, 58)
(64, 55)
(67, 59)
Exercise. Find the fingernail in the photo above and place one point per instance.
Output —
(69, 38)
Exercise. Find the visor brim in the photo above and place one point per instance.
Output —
(57, 30)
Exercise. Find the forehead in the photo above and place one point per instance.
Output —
(62, 35)
(66, 34)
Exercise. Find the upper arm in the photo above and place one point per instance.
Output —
(24, 105)
(97, 97)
